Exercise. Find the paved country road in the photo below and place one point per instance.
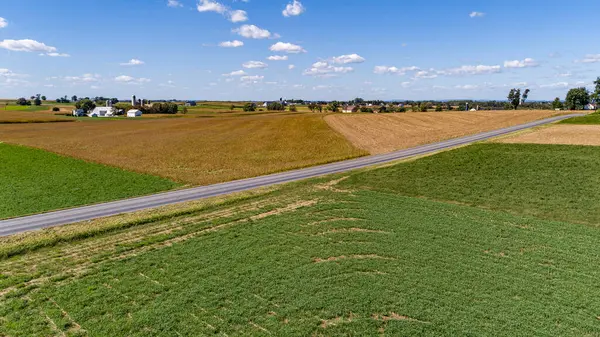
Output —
(34, 222)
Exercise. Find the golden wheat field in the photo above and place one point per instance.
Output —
(381, 133)
(192, 150)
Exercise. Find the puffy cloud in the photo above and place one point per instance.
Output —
(394, 70)
(254, 65)
(131, 80)
(252, 32)
(590, 58)
(133, 62)
(231, 44)
(3, 23)
(174, 3)
(294, 8)
(277, 58)
(287, 48)
(324, 69)
(211, 6)
(526, 63)
(26, 45)
(471, 70)
(238, 16)
(426, 74)
(476, 14)
(345, 59)
(85, 78)
(291, 66)
(236, 73)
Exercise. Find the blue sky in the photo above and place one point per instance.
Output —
(319, 49)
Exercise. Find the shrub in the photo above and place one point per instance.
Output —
(250, 107)
(402, 109)
(293, 108)
(438, 108)
(275, 106)
(55, 109)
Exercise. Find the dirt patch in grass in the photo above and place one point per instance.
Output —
(567, 134)
(381, 133)
(193, 150)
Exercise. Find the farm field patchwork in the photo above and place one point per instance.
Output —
(333, 256)
(383, 133)
(33, 181)
(193, 150)
(568, 134)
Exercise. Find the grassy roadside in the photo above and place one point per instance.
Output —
(34, 181)
(588, 119)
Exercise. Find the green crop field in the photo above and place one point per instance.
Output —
(33, 181)
(353, 254)
(589, 119)
(24, 107)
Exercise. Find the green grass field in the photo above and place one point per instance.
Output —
(33, 181)
(24, 107)
(589, 119)
(353, 254)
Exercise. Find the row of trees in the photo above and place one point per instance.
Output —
(35, 100)
(578, 98)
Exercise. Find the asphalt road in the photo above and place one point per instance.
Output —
(35, 222)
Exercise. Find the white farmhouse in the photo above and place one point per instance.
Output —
(102, 112)
(590, 107)
(134, 113)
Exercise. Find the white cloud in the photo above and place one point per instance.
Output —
(133, 62)
(238, 16)
(520, 84)
(174, 3)
(27, 45)
(231, 44)
(345, 59)
(131, 80)
(471, 70)
(293, 9)
(590, 58)
(287, 48)
(58, 55)
(526, 63)
(252, 32)
(236, 73)
(291, 66)
(467, 87)
(3, 23)
(254, 65)
(406, 84)
(85, 78)
(324, 69)
(254, 78)
(211, 6)
(476, 14)
(277, 58)
(394, 70)
(555, 85)
(426, 74)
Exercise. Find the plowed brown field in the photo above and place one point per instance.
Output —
(380, 133)
(559, 134)
(192, 150)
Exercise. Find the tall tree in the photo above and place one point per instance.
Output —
(595, 96)
(514, 98)
(577, 98)
(557, 104)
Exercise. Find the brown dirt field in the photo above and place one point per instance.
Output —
(559, 134)
(381, 133)
(27, 116)
(192, 150)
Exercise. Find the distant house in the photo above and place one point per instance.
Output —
(134, 113)
(349, 109)
(265, 104)
(102, 112)
(590, 107)
(190, 103)
(78, 112)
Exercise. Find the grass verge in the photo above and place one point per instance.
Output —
(588, 119)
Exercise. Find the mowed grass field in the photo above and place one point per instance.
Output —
(34, 181)
(195, 151)
(352, 254)
(381, 133)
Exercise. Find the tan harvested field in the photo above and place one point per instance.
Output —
(28, 117)
(193, 150)
(381, 133)
(559, 134)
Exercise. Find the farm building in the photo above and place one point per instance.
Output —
(348, 109)
(590, 107)
(78, 112)
(190, 103)
(102, 112)
(134, 113)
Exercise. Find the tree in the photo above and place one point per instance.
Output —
(43, 98)
(293, 108)
(438, 108)
(37, 101)
(32, 97)
(85, 104)
(557, 104)
(232, 107)
(577, 98)
(423, 107)
(249, 107)
(514, 98)
(275, 106)
(359, 100)
(595, 96)
(73, 98)
(319, 107)
(312, 106)
(22, 101)
(334, 106)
